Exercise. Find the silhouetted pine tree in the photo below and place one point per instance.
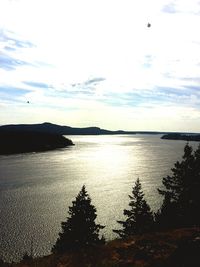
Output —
(139, 217)
(3, 264)
(26, 257)
(195, 190)
(181, 202)
(80, 229)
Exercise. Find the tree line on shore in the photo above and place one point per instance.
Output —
(180, 208)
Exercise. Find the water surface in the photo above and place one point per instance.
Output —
(37, 188)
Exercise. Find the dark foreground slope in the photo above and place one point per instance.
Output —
(174, 248)
(28, 141)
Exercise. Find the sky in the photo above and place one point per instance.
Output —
(96, 63)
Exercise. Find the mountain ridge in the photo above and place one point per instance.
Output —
(59, 129)
(68, 130)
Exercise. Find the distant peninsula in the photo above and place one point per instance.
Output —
(180, 136)
(21, 141)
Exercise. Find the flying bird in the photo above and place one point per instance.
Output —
(149, 25)
(27, 102)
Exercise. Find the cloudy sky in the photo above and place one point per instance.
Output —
(96, 63)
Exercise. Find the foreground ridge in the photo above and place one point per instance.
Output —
(177, 247)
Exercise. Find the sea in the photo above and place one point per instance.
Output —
(36, 189)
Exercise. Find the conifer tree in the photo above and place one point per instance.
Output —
(139, 217)
(80, 229)
(181, 203)
(195, 190)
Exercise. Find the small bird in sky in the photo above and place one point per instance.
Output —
(149, 25)
(27, 102)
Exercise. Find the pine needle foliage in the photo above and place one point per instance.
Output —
(79, 230)
(181, 192)
(139, 216)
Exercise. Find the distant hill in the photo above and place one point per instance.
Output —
(47, 127)
(67, 130)
(58, 129)
(22, 141)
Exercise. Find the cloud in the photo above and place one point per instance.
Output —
(155, 97)
(37, 84)
(148, 61)
(192, 80)
(182, 6)
(90, 83)
(13, 90)
(170, 8)
(10, 63)
(94, 81)
(9, 94)
(12, 42)
(9, 48)
(85, 88)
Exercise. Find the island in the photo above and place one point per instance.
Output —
(13, 142)
(181, 136)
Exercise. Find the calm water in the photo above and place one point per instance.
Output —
(37, 188)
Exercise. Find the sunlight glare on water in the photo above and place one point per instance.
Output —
(36, 189)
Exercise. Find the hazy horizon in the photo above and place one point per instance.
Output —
(97, 63)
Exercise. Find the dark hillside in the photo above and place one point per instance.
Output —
(27, 141)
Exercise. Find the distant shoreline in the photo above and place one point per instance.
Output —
(24, 138)
(184, 137)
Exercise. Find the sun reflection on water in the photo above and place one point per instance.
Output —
(38, 188)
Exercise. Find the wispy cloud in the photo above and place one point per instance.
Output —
(12, 91)
(182, 6)
(85, 88)
(170, 8)
(8, 62)
(12, 95)
(94, 81)
(9, 46)
(37, 84)
(90, 83)
(12, 43)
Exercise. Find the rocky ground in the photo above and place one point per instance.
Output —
(174, 248)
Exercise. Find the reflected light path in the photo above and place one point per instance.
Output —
(36, 189)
